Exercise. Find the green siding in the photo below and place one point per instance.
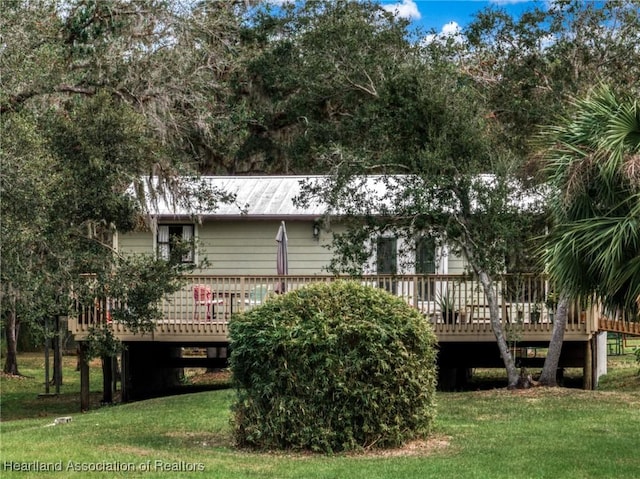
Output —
(248, 247)
(136, 243)
(456, 264)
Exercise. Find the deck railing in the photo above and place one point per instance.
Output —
(455, 304)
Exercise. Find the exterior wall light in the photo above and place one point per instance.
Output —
(316, 231)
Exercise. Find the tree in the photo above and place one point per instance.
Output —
(109, 92)
(478, 217)
(530, 68)
(593, 158)
(64, 175)
(592, 251)
(316, 78)
(175, 63)
(24, 193)
(369, 102)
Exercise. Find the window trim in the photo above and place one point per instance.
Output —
(426, 289)
(390, 243)
(163, 247)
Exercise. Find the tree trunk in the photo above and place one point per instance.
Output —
(85, 391)
(11, 329)
(548, 377)
(57, 355)
(513, 377)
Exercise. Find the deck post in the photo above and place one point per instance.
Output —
(47, 381)
(84, 377)
(57, 355)
(108, 376)
(587, 375)
(125, 375)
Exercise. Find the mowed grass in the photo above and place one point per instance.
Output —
(536, 433)
(23, 397)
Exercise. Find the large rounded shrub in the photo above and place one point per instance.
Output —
(332, 367)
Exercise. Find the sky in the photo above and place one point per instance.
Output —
(448, 16)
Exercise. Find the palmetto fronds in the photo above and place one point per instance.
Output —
(594, 171)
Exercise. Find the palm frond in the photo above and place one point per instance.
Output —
(593, 164)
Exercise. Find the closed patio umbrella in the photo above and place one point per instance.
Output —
(282, 262)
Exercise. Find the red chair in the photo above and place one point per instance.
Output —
(203, 296)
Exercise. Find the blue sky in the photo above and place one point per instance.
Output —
(445, 16)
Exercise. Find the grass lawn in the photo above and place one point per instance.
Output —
(536, 433)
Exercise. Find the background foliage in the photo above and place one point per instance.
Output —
(97, 94)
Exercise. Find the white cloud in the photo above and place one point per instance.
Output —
(547, 41)
(449, 30)
(404, 9)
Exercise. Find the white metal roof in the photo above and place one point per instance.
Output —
(272, 197)
(255, 196)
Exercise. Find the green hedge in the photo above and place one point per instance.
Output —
(332, 367)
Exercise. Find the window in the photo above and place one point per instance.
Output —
(426, 264)
(387, 261)
(175, 243)
(387, 256)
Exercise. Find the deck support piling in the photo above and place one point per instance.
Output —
(84, 377)
(57, 354)
(151, 370)
(588, 365)
(47, 381)
(125, 376)
(108, 378)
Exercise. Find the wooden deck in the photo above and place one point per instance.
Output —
(619, 326)
(200, 311)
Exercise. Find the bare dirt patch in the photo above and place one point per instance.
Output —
(423, 447)
(418, 448)
(533, 392)
(13, 376)
(202, 439)
(542, 392)
(129, 450)
(203, 377)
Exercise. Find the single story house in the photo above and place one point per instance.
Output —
(238, 240)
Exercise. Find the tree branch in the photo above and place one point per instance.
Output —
(16, 101)
(371, 89)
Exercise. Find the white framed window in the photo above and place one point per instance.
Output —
(387, 262)
(425, 250)
(387, 255)
(175, 242)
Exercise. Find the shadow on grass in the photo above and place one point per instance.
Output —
(32, 405)
(487, 379)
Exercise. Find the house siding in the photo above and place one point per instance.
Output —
(456, 264)
(246, 247)
(138, 242)
(249, 247)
